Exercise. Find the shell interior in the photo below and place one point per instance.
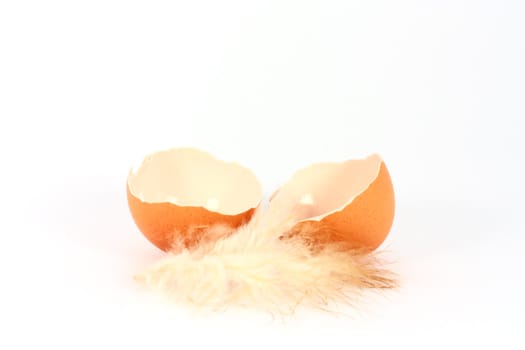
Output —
(189, 177)
(324, 188)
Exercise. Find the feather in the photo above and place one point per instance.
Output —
(267, 264)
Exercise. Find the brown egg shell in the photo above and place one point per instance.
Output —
(351, 202)
(177, 193)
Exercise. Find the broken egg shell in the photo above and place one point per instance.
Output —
(351, 202)
(175, 191)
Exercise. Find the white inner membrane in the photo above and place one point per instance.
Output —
(324, 188)
(189, 177)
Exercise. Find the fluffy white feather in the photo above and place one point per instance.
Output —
(259, 265)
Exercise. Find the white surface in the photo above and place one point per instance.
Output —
(436, 87)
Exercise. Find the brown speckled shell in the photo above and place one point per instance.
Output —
(163, 223)
(364, 223)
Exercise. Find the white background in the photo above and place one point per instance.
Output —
(89, 87)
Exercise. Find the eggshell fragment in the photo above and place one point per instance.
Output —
(176, 194)
(351, 202)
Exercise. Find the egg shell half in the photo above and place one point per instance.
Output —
(176, 194)
(351, 202)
